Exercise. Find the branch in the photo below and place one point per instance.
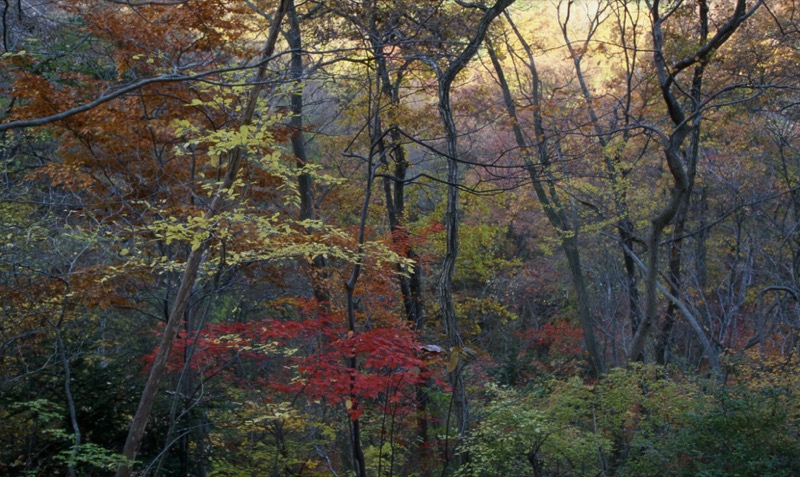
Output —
(711, 353)
(723, 33)
(170, 78)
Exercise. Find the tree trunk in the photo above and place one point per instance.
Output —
(189, 277)
(680, 166)
(451, 218)
(611, 157)
(410, 282)
(359, 461)
(568, 234)
(297, 140)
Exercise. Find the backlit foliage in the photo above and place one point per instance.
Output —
(286, 365)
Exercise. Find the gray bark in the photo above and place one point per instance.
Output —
(451, 219)
(611, 156)
(298, 140)
(685, 121)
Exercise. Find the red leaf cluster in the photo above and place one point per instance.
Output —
(312, 358)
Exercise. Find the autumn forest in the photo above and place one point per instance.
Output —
(371, 238)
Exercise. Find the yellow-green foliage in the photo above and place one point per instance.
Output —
(641, 421)
(580, 429)
(481, 314)
(515, 427)
(480, 254)
(379, 459)
(242, 232)
(254, 437)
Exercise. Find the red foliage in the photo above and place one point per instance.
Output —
(309, 358)
(554, 348)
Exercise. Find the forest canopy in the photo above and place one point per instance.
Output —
(407, 238)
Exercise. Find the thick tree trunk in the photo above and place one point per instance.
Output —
(446, 302)
(663, 348)
(296, 137)
(298, 142)
(657, 226)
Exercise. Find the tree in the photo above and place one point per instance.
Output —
(580, 185)
(545, 190)
(445, 77)
(193, 261)
(686, 120)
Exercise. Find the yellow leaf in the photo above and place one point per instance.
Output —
(452, 362)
